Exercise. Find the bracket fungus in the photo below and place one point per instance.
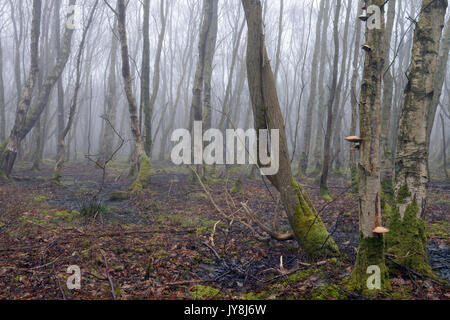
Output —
(356, 140)
(380, 230)
(366, 48)
(363, 17)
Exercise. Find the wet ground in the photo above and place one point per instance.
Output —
(180, 216)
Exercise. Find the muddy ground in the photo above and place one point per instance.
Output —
(176, 241)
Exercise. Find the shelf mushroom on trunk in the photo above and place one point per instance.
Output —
(356, 140)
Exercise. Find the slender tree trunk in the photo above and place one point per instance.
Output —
(10, 147)
(111, 108)
(340, 105)
(307, 132)
(354, 99)
(331, 108)
(439, 79)
(60, 99)
(323, 91)
(207, 31)
(371, 244)
(2, 100)
(407, 239)
(149, 102)
(61, 138)
(143, 160)
(308, 227)
(444, 148)
(388, 87)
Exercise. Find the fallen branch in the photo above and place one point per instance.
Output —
(272, 233)
(113, 292)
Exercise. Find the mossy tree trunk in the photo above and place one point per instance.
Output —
(143, 160)
(307, 226)
(354, 99)
(407, 240)
(371, 245)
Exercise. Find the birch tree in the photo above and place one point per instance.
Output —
(371, 243)
(407, 239)
(143, 175)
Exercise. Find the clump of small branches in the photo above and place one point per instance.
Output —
(94, 206)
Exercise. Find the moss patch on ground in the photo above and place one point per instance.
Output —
(205, 292)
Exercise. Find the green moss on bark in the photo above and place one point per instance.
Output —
(3, 175)
(309, 228)
(143, 176)
(407, 240)
(325, 192)
(370, 253)
(354, 179)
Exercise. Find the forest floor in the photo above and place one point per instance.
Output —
(171, 242)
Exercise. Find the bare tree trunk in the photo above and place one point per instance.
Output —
(340, 105)
(308, 227)
(149, 102)
(60, 99)
(207, 30)
(279, 40)
(10, 147)
(304, 157)
(444, 148)
(331, 108)
(354, 99)
(143, 160)
(407, 239)
(439, 79)
(111, 108)
(2, 100)
(322, 91)
(388, 83)
(371, 243)
(208, 70)
(61, 138)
